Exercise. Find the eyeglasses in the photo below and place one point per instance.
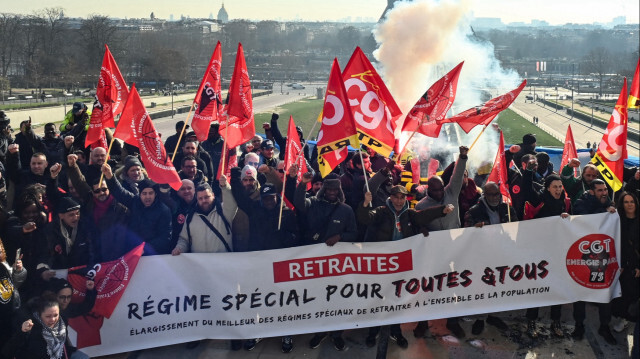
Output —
(100, 190)
(64, 297)
(281, 170)
(254, 164)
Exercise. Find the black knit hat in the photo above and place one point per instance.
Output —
(67, 204)
(58, 284)
(529, 139)
(147, 183)
(131, 161)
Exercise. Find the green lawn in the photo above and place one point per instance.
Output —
(514, 127)
(305, 112)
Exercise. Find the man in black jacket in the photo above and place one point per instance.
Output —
(327, 219)
(393, 222)
(595, 200)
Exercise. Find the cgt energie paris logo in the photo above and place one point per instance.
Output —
(592, 261)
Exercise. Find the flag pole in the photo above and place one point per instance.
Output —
(399, 156)
(364, 171)
(305, 142)
(225, 151)
(181, 132)
(284, 183)
(477, 138)
(108, 151)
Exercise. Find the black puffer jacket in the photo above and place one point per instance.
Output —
(324, 219)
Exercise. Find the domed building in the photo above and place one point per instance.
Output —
(223, 17)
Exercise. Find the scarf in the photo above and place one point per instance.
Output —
(54, 337)
(100, 208)
(494, 215)
(69, 238)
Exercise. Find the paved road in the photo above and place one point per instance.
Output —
(438, 344)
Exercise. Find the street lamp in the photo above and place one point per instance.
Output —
(171, 99)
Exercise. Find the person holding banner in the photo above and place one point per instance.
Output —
(595, 200)
(490, 209)
(438, 194)
(391, 222)
(327, 220)
(551, 201)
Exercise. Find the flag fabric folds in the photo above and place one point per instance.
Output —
(338, 129)
(612, 150)
(137, 129)
(292, 152)
(569, 151)
(374, 109)
(634, 91)
(427, 115)
(208, 100)
(499, 172)
(239, 106)
(485, 113)
(111, 94)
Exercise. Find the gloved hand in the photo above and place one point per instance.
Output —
(236, 172)
(275, 117)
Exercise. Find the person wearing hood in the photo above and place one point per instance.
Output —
(439, 194)
(551, 201)
(326, 219)
(391, 222)
(490, 209)
(149, 219)
(528, 146)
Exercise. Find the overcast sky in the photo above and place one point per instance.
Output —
(556, 12)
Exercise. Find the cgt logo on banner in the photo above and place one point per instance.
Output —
(357, 285)
(592, 261)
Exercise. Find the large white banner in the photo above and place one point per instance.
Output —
(353, 285)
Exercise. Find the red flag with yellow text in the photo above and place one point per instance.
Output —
(569, 151)
(499, 172)
(485, 113)
(612, 150)
(111, 95)
(208, 100)
(136, 128)
(374, 109)
(338, 129)
(427, 114)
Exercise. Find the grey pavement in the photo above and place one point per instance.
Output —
(437, 344)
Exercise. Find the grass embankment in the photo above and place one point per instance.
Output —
(515, 126)
(306, 111)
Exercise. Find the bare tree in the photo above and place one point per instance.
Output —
(96, 31)
(9, 41)
(598, 62)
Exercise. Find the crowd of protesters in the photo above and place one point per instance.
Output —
(63, 205)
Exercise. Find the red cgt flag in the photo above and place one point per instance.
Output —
(372, 105)
(634, 91)
(208, 100)
(111, 94)
(292, 153)
(612, 150)
(338, 129)
(569, 151)
(484, 114)
(239, 106)
(137, 129)
(111, 280)
(499, 172)
(427, 115)
(230, 160)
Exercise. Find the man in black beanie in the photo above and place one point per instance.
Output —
(528, 146)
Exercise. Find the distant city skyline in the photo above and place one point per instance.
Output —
(554, 12)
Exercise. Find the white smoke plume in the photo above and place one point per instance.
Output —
(418, 43)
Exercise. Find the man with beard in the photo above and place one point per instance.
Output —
(438, 194)
(265, 234)
(189, 170)
(244, 184)
(490, 209)
(203, 160)
(327, 219)
(392, 222)
(575, 187)
(595, 200)
(104, 217)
